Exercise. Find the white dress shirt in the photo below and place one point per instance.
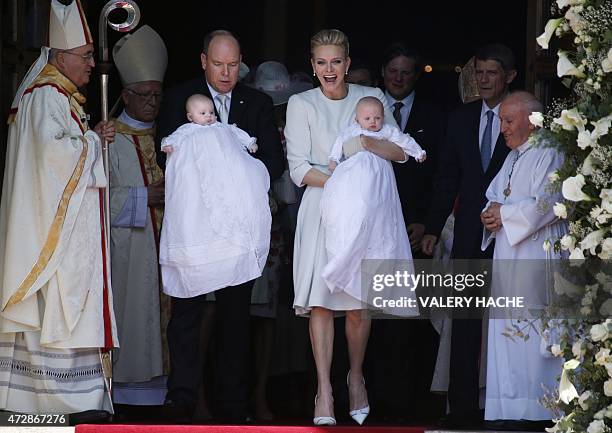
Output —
(406, 108)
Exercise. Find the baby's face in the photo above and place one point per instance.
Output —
(370, 116)
(202, 113)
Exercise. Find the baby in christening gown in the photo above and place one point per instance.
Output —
(360, 207)
(216, 230)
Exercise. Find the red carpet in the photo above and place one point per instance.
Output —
(125, 428)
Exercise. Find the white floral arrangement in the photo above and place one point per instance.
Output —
(581, 128)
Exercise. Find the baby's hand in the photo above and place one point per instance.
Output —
(422, 158)
(332, 165)
(253, 148)
(168, 149)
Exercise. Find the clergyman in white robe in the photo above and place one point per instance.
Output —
(517, 369)
(57, 307)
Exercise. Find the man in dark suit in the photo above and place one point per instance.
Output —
(473, 152)
(253, 112)
(419, 117)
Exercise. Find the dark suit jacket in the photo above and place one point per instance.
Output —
(460, 175)
(414, 179)
(250, 109)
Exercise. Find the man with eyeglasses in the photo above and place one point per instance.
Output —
(137, 199)
(57, 308)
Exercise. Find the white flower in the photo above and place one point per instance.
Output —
(602, 356)
(575, 21)
(609, 411)
(560, 210)
(606, 252)
(583, 398)
(602, 126)
(600, 414)
(606, 198)
(567, 391)
(553, 177)
(599, 332)
(566, 68)
(572, 188)
(568, 242)
(571, 119)
(592, 240)
(564, 3)
(608, 388)
(546, 245)
(587, 168)
(595, 212)
(597, 426)
(549, 29)
(606, 64)
(576, 254)
(537, 119)
(555, 349)
(577, 349)
(585, 140)
(603, 217)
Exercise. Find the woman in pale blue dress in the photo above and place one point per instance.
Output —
(314, 119)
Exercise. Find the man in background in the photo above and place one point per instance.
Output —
(137, 198)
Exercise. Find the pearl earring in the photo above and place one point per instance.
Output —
(314, 74)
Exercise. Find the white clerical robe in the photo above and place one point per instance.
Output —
(516, 370)
(56, 309)
(135, 231)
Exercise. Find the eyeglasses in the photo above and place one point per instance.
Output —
(87, 57)
(146, 96)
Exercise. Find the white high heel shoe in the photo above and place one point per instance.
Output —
(359, 415)
(323, 420)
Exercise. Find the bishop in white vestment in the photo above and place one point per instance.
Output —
(519, 216)
(57, 310)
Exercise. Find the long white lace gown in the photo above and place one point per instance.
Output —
(362, 213)
(216, 229)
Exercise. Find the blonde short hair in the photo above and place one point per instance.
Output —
(330, 37)
(195, 98)
(370, 100)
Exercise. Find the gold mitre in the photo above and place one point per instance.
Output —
(141, 56)
(468, 85)
(67, 26)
